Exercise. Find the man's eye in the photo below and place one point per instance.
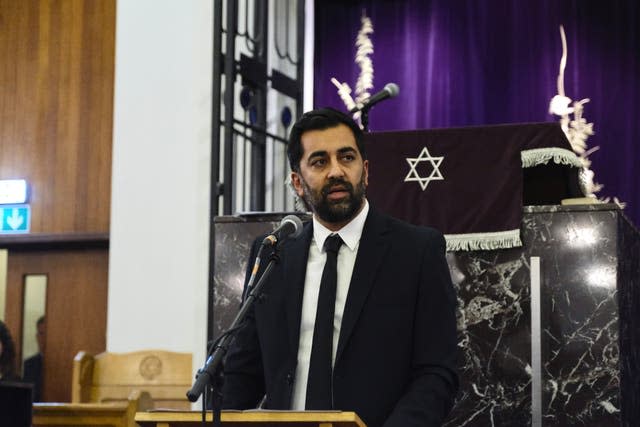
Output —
(318, 162)
(348, 157)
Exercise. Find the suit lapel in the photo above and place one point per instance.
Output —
(373, 245)
(295, 267)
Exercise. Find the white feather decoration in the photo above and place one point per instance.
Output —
(344, 91)
(576, 128)
(364, 49)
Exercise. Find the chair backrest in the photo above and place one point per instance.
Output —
(111, 377)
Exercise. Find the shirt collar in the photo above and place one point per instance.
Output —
(350, 233)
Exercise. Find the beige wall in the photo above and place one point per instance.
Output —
(158, 270)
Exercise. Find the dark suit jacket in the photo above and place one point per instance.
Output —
(32, 373)
(396, 358)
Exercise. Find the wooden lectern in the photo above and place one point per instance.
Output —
(253, 419)
(112, 414)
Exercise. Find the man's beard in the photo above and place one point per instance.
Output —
(335, 211)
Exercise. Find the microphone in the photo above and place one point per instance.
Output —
(290, 227)
(390, 90)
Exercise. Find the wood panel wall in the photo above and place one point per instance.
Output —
(76, 309)
(56, 117)
(56, 108)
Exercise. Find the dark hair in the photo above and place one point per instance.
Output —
(8, 355)
(320, 119)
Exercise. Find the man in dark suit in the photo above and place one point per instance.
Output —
(33, 366)
(392, 343)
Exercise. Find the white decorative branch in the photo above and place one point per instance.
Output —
(364, 49)
(344, 91)
(576, 128)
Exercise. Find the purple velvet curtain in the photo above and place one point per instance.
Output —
(472, 62)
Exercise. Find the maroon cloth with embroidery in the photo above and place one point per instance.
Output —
(476, 183)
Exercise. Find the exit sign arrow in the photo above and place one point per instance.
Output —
(15, 219)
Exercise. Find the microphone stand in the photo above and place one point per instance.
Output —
(364, 119)
(210, 373)
(364, 115)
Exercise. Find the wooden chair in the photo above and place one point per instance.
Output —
(114, 414)
(111, 377)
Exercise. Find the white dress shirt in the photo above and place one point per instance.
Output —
(350, 235)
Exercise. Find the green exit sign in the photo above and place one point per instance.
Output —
(15, 219)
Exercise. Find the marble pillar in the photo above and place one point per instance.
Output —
(587, 347)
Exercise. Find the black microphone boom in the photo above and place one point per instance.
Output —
(209, 374)
(290, 227)
(390, 90)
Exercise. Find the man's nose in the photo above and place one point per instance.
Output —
(335, 169)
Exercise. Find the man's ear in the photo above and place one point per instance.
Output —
(365, 165)
(296, 180)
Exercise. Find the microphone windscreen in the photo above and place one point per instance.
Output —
(296, 222)
(392, 89)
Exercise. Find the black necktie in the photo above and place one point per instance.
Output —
(319, 393)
